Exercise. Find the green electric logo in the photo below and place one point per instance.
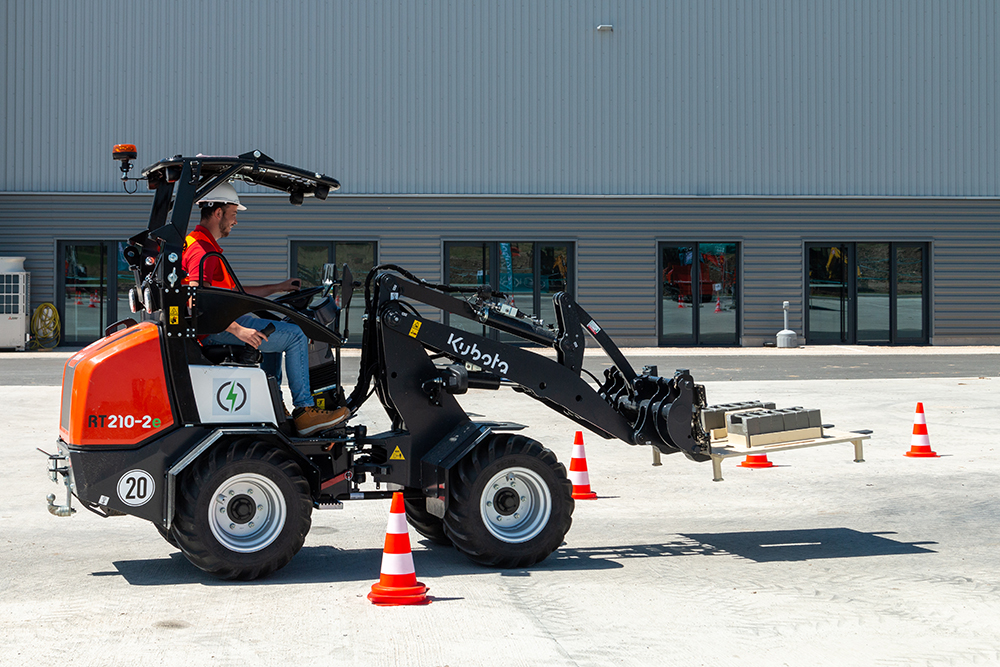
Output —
(231, 396)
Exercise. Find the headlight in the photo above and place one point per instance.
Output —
(133, 300)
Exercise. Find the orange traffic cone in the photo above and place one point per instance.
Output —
(718, 305)
(397, 584)
(578, 474)
(93, 301)
(920, 443)
(756, 461)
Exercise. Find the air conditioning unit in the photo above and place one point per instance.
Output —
(14, 302)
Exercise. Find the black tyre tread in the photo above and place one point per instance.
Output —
(425, 523)
(195, 482)
(463, 523)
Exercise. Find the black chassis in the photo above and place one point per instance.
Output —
(417, 366)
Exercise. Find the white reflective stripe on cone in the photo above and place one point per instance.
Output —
(579, 477)
(397, 524)
(397, 563)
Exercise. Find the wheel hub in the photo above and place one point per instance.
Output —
(506, 501)
(241, 509)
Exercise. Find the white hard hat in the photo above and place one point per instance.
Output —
(223, 194)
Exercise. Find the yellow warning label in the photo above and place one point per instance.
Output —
(397, 455)
(174, 316)
(413, 334)
(321, 403)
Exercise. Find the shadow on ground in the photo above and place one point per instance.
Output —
(327, 564)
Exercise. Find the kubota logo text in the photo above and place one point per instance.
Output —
(479, 357)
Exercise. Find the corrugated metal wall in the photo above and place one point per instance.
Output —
(699, 97)
(615, 244)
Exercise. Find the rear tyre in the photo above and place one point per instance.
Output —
(425, 523)
(243, 511)
(511, 503)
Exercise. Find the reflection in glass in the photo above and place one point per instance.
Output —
(85, 281)
(910, 292)
(360, 258)
(309, 261)
(125, 281)
(516, 275)
(827, 293)
(873, 292)
(718, 270)
(468, 266)
(553, 278)
(676, 312)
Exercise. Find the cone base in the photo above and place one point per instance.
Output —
(921, 452)
(389, 596)
(756, 461)
(584, 495)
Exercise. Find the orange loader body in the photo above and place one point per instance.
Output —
(115, 390)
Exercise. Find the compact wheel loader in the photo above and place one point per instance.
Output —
(194, 438)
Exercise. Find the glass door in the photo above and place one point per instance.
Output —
(84, 291)
(699, 293)
(828, 298)
(867, 293)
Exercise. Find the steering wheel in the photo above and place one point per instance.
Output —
(300, 299)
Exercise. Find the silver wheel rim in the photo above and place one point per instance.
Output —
(247, 513)
(515, 505)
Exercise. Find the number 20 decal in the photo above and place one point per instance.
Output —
(136, 487)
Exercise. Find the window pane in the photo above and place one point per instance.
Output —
(676, 311)
(719, 292)
(360, 258)
(827, 294)
(516, 275)
(309, 260)
(85, 282)
(910, 292)
(468, 266)
(553, 278)
(873, 292)
(125, 280)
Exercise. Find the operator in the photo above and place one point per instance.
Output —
(218, 218)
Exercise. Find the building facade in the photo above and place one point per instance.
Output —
(681, 168)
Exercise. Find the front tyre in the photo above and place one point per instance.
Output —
(243, 511)
(511, 503)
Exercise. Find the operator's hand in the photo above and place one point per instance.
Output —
(249, 336)
(290, 285)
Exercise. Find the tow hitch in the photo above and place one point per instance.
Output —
(57, 468)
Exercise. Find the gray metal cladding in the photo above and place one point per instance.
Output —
(695, 97)
(615, 244)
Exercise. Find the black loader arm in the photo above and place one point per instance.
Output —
(637, 408)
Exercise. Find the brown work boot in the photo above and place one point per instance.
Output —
(309, 420)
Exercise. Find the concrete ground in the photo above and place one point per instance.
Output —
(816, 561)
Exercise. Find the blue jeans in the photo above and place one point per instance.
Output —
(287, 338)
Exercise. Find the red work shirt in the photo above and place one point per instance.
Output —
(199, 243)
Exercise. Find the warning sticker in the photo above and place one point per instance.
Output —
(397, 455)
(174, 315)
(415, 329)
